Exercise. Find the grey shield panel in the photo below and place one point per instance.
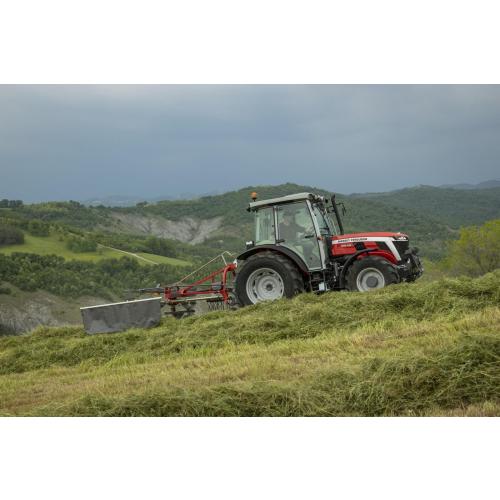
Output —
(121, 316)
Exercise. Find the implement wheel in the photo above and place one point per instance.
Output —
(266, 276)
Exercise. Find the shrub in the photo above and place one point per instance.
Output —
(477, 252)
(37, 228)
(10, 235)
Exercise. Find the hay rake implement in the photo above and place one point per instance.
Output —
(179, 298)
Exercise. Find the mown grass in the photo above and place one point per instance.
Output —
(421, 349)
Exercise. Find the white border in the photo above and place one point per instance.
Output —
(272, 41)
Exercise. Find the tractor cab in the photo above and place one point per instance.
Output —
(298, 223)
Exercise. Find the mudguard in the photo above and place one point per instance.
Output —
(296, 259)
(351, 259)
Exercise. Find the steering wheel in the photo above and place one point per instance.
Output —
(307, 234)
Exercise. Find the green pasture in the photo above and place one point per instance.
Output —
(47, 245)
(159, 259)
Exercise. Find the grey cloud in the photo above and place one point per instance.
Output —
(73, 142)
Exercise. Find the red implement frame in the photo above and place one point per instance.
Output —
(179, 292)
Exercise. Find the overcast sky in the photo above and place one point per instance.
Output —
(75, 142)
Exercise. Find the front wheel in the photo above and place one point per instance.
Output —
(266, 276)
(370, 273)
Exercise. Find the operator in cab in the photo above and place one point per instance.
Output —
(290, 231)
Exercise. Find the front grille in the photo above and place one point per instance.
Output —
(402, 247)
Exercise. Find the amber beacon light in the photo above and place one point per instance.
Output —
(254, 196)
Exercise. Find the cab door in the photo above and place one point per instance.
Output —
(323, 229)
(298, 232)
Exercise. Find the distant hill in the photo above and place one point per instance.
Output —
(452, 207)
(482, 185)
(130, 201)
(429, 215)
(223, 216)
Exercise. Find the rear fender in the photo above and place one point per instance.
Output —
(296, 259)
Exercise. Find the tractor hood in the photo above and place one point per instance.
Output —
(369, 237)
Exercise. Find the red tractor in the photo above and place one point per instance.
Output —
(297, 247)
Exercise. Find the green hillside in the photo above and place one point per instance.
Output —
(407, 350)
(48, 245)
(76, 278)
(454, 207)
(425, 230)
(159, 259)
(70, 213)
(362, 215)
(429, 215)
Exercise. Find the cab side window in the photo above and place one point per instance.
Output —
(264, 226)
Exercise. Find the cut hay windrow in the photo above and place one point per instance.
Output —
(404, 350)
(465, 373)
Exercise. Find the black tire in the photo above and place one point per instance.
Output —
(362, 268)
(293, 283)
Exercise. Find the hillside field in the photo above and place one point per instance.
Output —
(427, 229)
(47, 245)
(159, 259)
(406, 350)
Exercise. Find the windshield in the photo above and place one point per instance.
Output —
(323, 222)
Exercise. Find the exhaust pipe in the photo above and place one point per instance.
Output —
(336, 210)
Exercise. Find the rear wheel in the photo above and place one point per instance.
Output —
(266, 276)
(370, 273)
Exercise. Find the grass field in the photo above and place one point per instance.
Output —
(408, 350)
(159, 259)
(46, 245)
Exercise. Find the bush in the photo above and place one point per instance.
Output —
(37, 228)
(79, 244)
(5, 291)
(10, 235)
(477, 252)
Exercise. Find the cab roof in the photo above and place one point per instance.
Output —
(284, 199)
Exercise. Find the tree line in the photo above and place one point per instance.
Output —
(5, 203)
(54, 274)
